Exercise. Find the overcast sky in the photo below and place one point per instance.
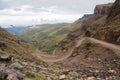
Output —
(30, 12)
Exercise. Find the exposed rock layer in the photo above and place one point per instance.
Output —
(102, 9)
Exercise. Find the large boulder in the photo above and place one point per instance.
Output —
(62, 77)
(2, 44)
(6, 58)
(20, 75)
(16, 66)
(3, 73)
(13, 74)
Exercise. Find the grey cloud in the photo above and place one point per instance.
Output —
(70, 6)
(44, 11)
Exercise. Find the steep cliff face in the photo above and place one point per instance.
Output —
(111, 31)
(114, 14)
(102, 9)
(96, 21)
(111, 35)
(105, 24)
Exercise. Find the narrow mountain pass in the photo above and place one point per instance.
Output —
(57, 58)
(111, 46)
(63, 56)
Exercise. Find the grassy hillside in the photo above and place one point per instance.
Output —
(47, 36)
(11, 45)
(24, 65)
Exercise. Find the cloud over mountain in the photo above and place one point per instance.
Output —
(28, 12)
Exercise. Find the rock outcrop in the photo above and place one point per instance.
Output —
(114, 14)
(2, 44)
(109, 35)
(102, 9)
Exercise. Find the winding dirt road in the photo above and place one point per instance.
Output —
(63, 56)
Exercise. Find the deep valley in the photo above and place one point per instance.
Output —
(87, 49)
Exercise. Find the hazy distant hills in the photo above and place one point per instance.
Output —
(15, 29)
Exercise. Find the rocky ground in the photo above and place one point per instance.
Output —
(88, 61)
(92, 62)
(17, 70)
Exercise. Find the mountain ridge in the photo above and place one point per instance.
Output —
(12, 45)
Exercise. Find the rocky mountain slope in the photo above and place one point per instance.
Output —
(98, 26)
(114, 14)
(11, 45)
(92, 60)
(16, 60)
(111, 30)
(89, 59)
